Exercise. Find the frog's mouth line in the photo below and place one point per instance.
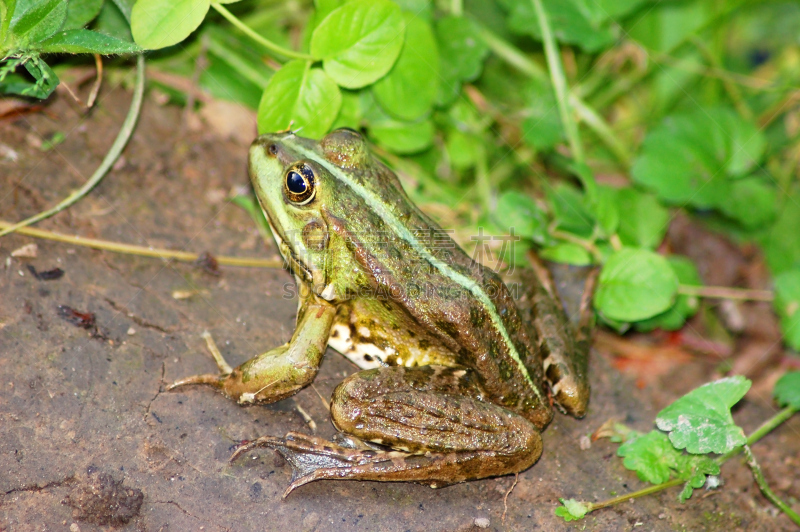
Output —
(288, 254)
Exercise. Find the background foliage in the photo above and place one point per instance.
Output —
(584, 125)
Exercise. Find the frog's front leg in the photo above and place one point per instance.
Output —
(282, 371)
(433, 420)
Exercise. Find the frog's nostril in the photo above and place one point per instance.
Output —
(273, 149)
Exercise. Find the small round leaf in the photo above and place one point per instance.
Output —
(157, 24)
(635, 284)
(299, 97)
(359, 42)
(408, 90)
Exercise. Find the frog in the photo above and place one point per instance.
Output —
(456, 378)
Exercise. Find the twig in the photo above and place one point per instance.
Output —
(108, 161)
(130, 249)
(725, 292)
(505, 498)
(98, 81)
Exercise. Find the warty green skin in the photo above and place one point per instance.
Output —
(457, 385)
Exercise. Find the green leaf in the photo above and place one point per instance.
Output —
(694, 471)
(606, 210)
(359, 42)
(652, 456)
(462, 52)
(572, 510)
(567, 253)
(684, 307)
(645, 222)
(157, 24)
(403, 137)
(299, 96)
(125, 7)
(787, 305)
(7, 8)
(751, 202)
(569, 210)
(787, 390)
(45, 80)
(462, 149)
(582, 22)
(520, 212)
(666, 24)
(111, 21)
(81, 12)
(780, 244)
(635, 284)
(85, 41)
(542, 128)
(351, 113)
(701, 421)
(408, 90)
(40, 21)
(691, 157)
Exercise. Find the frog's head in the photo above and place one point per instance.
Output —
(292, 178)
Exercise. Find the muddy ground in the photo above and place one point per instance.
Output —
(83, 414)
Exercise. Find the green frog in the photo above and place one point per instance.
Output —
(457, 379)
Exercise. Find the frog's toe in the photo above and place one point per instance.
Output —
(215, 380)
(311, 458)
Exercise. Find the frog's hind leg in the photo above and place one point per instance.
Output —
(433, 420)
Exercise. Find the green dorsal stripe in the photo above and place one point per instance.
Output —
(377, 205)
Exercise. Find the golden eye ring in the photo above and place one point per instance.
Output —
(300, 185)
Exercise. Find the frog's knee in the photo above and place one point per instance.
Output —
(348, 402)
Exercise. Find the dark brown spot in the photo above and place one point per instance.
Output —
(449, 328)
(476, 316)
(315, 236)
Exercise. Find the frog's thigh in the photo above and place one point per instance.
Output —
(433, 412)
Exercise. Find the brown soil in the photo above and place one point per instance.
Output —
(86, 430)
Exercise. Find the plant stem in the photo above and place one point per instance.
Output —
(731, 88)
(586, 244)
(596, 123)
(634, 495)
(766, 490)
(269, 45)
(111, 157)
(559, 81)
(765, 428)
(724, 292)
(514, 57)
(143, 251)
(235, 61)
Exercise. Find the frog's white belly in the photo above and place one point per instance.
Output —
(362, 354)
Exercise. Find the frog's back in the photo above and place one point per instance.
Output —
(422, 300)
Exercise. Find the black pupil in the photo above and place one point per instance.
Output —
(295, 183)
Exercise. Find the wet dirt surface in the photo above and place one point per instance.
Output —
(83, 417)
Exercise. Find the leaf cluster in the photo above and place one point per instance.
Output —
(579, 127)
(30, 28)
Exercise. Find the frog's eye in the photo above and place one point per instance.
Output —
(301, 186)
